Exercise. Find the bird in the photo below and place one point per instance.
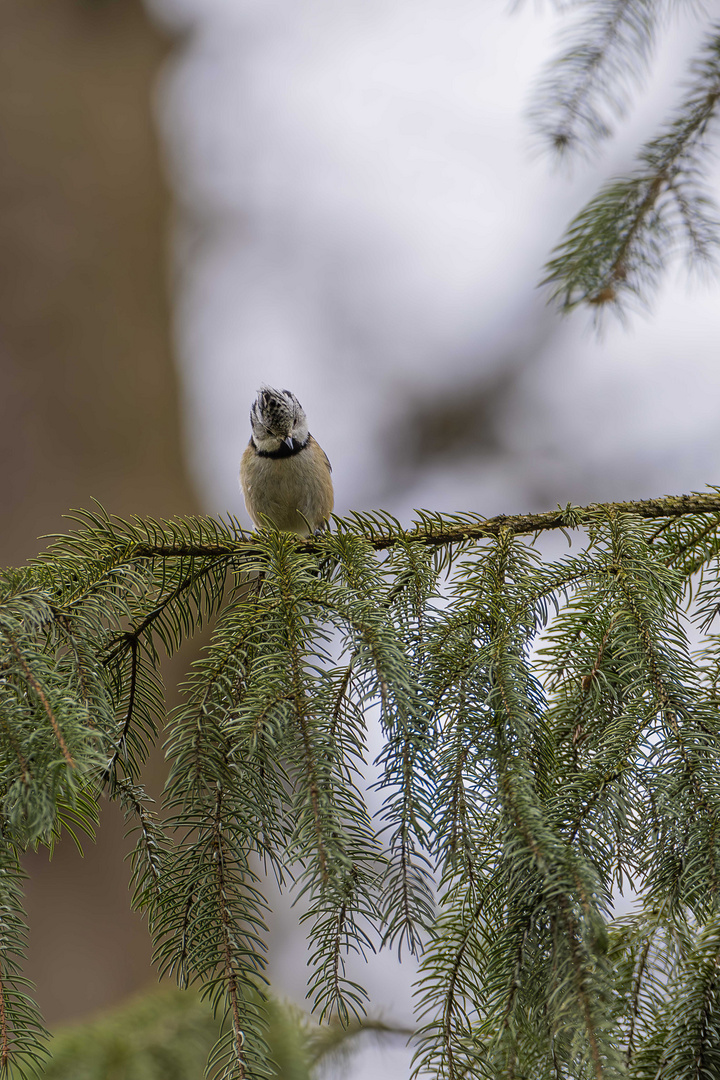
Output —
(284, 472)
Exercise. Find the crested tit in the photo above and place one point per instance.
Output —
(284, 473)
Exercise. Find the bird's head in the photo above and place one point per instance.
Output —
(277, 418)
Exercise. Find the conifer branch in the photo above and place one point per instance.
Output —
(635, 999)
(148, 859)
(130, 708)
(544, 734)
(40, 694)
(435, 532)
(611, 45)
(226, 923)
(4, 1034)
(619, 244)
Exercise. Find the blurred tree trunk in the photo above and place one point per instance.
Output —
(89, 402)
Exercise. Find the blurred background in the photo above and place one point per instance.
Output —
(341, 197)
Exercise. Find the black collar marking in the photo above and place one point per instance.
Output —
(282, 451)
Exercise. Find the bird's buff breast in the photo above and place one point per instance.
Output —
(293, 492)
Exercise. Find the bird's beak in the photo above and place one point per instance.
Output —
(288, 442)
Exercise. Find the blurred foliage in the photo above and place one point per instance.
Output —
(162, 1035)
(549, 737)
(167, 1034)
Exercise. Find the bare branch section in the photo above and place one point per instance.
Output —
(619, 245)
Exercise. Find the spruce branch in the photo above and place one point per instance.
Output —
(229, 962)
(609, 50)
(433, 531)
(545, 735)
(22, 1034)
(150, 855)
(40, 694)
(618, 246)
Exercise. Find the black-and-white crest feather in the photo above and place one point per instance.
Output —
(277, 417)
